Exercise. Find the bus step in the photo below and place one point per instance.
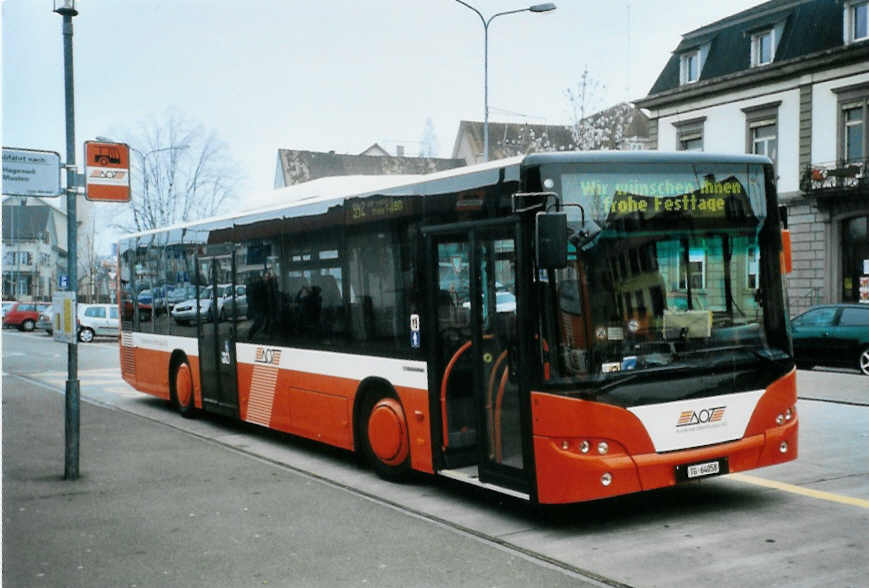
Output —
(469, 475)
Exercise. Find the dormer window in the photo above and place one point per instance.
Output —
(856, 21)
(762, 47)
(690, 70)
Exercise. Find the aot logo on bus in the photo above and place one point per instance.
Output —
(268, 356)
(701, 417)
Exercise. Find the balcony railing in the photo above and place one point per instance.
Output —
(836, 175)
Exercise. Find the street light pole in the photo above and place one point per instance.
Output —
(545, 7)
(72, 417)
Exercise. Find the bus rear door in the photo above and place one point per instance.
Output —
(217, 359)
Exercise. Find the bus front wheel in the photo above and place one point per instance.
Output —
(384, 437)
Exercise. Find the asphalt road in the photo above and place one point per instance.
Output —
(803, 523)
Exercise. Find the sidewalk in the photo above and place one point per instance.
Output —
(157, 507)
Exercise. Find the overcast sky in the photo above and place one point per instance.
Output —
(327, 74)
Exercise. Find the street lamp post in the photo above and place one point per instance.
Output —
(545, 7)
(66, 8)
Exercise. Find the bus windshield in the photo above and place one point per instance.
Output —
(669, 272)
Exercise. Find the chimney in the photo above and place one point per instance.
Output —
(399, 150)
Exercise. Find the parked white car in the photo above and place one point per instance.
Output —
(185, 312)
(97, 320)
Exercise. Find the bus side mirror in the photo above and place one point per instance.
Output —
(786, 258)
(551, 239)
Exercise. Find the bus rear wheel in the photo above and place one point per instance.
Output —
(384, 437)
(182, 379)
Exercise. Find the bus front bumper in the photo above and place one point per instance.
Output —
(565, 474)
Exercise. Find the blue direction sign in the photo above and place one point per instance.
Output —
(63, 282)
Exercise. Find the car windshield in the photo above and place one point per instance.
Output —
(666, 273)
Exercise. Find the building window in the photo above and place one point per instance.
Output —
(690, 67)
(16, 258)
(761, 130)
(762, 47)
(689, 134)
(853, 110)
(691, 143)
(854, 132)
(763, 140)
(856, 21)
(696, 268)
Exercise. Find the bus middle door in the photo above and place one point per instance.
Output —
(475, 357)
(217, 359)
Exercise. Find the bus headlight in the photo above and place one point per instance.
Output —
(603, 447)
(606, 479)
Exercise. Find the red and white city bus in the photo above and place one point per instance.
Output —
(559, 327)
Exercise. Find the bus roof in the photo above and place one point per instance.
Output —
(318, 195)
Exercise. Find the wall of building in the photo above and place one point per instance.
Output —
(807, 283)
(724, 130)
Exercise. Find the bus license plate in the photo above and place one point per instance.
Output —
(701, 470)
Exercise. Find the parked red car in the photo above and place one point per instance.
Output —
(24, 315)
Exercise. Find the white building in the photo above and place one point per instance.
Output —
(34, 249)
(788, 79)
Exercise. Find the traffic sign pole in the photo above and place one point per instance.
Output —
(72, 416)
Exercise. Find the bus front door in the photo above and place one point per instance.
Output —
(484, 403)
(217, 359)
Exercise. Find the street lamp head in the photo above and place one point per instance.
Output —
(65, 7)
(545, 7)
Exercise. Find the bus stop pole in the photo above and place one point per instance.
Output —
(72, 420)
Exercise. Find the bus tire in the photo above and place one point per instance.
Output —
(182, 388)
(383, 435)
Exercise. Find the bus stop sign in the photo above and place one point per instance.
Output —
(107, 171)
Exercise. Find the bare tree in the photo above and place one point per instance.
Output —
(180, 172)
(604, 129)
(88, 261)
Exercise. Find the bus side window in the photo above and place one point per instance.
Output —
(375, 280)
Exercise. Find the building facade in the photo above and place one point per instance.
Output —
(788, 79)
(34, 249)
(297, 166)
